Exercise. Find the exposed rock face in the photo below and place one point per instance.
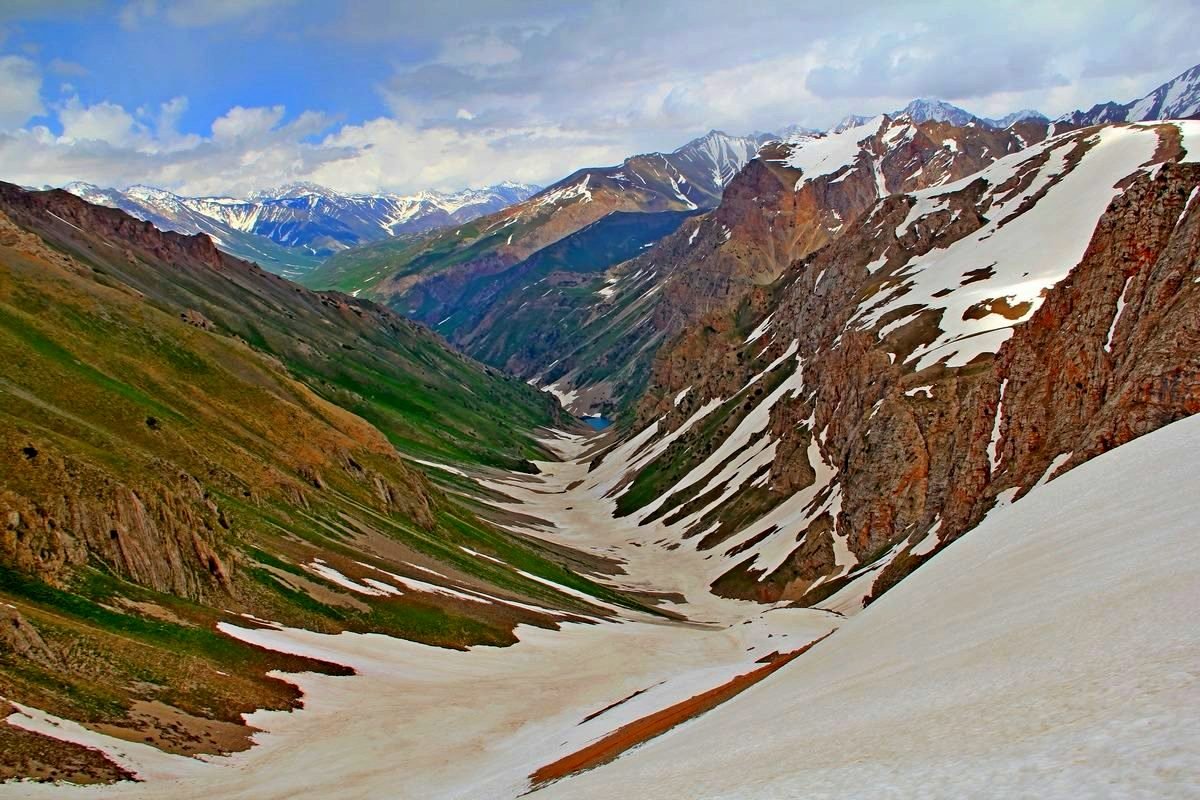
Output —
(193, 317)
(20, 638)
(782, 206)
(167, 538)
(1178, 98)
(890, 417)
(1121, 336)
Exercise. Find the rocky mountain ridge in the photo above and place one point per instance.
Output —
(1178, 98)
(796, 197)
(760, 227)
(842, 424)
(291, 228)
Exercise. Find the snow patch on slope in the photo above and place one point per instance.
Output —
(989, 665)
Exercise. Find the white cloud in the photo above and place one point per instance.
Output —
(387, 153)
(20, 91)
(102, 122)
(532, 90)
(106, 144)
(246, 123)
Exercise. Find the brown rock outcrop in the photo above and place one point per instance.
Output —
(1112, 352)
(21, 639)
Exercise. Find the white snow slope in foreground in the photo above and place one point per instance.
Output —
(1051, 652)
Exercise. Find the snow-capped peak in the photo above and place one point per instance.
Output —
(1015, 117)
(931, 110)
(1178, 98)
(794, 133)
(76, 187)
(849, 121)
(927, 109)
(150, 193)
(294, 189)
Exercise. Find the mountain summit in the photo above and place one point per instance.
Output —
(291, 228)
(1178, 98)
(929, 110)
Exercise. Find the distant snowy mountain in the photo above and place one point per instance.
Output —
(708, 163)
(291, 228)
(849, 121)
(1009, 120)
(929, 110)
(926, 109)
(794, 132)
(1178, 98)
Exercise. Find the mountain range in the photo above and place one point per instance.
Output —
(882, 418)
(292, 228)
(1178, 98)
(441, 277)
(615, 286)
(929, 110)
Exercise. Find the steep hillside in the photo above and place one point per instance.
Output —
(1178, 98)
(839, 426)
(795, 198)
(1048, 654)
(187, 440)
(593, 343)
(431, 277)
(293, 228)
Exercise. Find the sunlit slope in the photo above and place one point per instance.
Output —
(1046, 654)
(175, 455)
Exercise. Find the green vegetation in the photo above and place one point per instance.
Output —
(182, 436)
(687, 453)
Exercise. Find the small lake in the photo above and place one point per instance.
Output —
(598, 422)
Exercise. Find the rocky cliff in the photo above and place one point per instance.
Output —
(796, 197)
(952, 349)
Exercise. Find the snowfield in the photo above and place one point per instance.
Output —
(1051, 653)
(1021, 254)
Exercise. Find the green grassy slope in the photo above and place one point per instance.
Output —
(185, 439)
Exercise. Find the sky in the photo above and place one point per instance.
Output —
(226, 97)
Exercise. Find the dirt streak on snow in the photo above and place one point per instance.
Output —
(420, 721)
(1050, 652)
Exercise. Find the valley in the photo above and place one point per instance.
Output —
(458, 725)
(827, 462)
